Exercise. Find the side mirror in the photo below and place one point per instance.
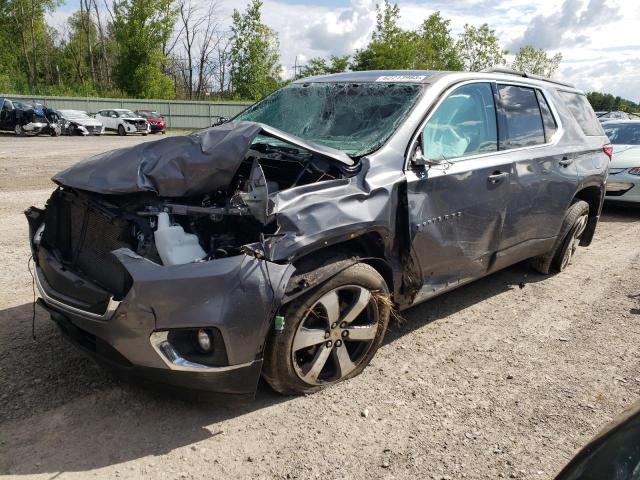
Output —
(419, 160)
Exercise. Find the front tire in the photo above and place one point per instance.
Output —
(560, 256)
(331, 333)
(121, 131)
(19, 131)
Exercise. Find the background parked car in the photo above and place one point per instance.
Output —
(22, 118)
(156, 121)
(623, 185)
(606, 116)
(77, 122)
(123, 121)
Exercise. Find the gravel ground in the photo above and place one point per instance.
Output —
(505, 377)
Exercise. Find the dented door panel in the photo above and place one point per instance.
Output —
(456, 216)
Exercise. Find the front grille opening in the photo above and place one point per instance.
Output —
(83, 238)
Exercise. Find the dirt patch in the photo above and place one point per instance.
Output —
(505, 377)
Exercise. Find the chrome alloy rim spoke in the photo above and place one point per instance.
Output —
(364, 296)
(317, 364)
(343, 360)
(364, 333)
(335, 336)
(308, 337)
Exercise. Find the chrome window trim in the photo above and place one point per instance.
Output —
(111, 306)
(160, 343)
(554, 139)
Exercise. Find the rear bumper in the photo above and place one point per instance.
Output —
(230, 296)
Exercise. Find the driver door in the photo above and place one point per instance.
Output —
(458, 200)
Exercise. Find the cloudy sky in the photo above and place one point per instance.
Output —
(599, 39)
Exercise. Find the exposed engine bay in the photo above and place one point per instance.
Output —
(82, 226)
(225, 221)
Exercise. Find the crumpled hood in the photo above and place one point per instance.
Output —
(180, 165)
(177, 166)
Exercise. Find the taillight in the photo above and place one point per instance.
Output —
(608, 151)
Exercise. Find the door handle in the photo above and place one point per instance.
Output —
(565, 162)
(497, 177)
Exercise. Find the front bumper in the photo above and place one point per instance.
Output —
(230, 295)
(623, 188)
(89, 129)
(131, 128)
(34, 126)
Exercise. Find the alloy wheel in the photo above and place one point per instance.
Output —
(335, 336)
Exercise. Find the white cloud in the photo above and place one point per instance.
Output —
(597, 38)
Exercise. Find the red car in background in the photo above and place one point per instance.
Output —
(156, 121)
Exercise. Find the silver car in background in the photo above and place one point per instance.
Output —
(77, 122)
(623, 185)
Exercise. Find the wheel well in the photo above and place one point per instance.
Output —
(369, 246)
(593, 196)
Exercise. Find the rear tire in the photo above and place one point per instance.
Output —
(330, 334)
(560, 256)
(19, 131)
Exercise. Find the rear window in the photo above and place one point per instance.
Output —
(524, 127)
(583, 113)
(623, 133)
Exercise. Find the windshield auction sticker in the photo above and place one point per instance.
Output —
(401, 78)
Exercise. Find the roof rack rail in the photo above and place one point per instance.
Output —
(518, 73)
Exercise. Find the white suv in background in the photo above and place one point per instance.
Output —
(123, 121)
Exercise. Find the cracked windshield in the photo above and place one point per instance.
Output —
(354, 118)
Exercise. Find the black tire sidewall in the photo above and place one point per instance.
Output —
(574, 213)
(121, 131)
(278, 367)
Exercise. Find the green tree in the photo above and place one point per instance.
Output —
(536, 61)
(479, 48)
(254, 67)
(436, 49)
(321, 66)
(607, 102)
(141, 27)
(391, 47)
(25, 39)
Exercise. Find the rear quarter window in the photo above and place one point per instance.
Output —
(582, 112)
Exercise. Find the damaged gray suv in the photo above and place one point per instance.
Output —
(277, 244)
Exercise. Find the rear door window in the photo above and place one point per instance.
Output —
(581, 110)
(522, 117)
